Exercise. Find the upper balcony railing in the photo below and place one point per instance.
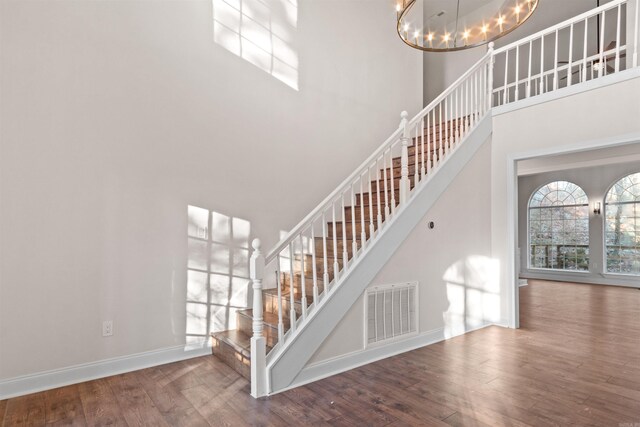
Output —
(587, 47)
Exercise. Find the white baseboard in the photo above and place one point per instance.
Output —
(336, 365)
(503, 323)
(47, 380)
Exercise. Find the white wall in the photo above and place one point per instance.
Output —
(588, 119)
(457, 279)
(116, 116)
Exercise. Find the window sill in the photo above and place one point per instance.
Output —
(556, 270)
(620, 276)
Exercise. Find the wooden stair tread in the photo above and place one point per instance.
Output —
(236, 339)
(268, 319)
(285, 294)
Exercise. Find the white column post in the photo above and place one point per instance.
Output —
(258, 342)
(404, 177)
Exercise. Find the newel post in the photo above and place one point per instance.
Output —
(404, 178)
(258, 343)
(490, 77)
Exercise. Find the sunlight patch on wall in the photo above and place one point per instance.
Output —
(217, 271)
(473, 291)
(261, 32)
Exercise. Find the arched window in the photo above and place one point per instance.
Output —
(559, 227)
(622, 226)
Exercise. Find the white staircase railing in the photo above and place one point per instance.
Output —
(325, 244)
(586, 47)
(330, 232)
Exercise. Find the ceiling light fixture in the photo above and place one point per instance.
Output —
(467, 29)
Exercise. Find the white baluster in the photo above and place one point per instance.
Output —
(378, 178)
(363, 235)
(570, 65)
(474, 99)
(354, 243)
(422, 168)
(529, 69)
(445, 123)
(404, 173)
(429, 153)
(258, 341)
(517, 79)
(478, 79)
(393, 193)
(481, 89)
(505, 95)
(440, 129)
(303, 285)
(279, 283)
(345, 247)
(490, 76)
(378, 195)
(555, 64)
(636, 40)
(542, 81)
(325, 258)
(618, 40)
(416, 159)
(314, 268)
(585, 53)
(602, 69)
(456, 129)
(387, 211)
(292, 287)
(465, 111)
(336, 266)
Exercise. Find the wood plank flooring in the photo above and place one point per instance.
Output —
(575, 361)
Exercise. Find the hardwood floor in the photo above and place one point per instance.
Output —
(575, 361)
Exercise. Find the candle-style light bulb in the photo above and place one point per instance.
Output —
(517, 9)
(500, 22)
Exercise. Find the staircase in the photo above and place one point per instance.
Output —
(325, 263)
(360, 220)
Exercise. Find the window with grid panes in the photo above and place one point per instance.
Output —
(559, 227)
(622, 226)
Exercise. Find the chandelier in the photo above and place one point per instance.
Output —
(450, 25)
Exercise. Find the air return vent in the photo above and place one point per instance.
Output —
(390, 312)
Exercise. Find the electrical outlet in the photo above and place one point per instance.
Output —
(107, 328)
